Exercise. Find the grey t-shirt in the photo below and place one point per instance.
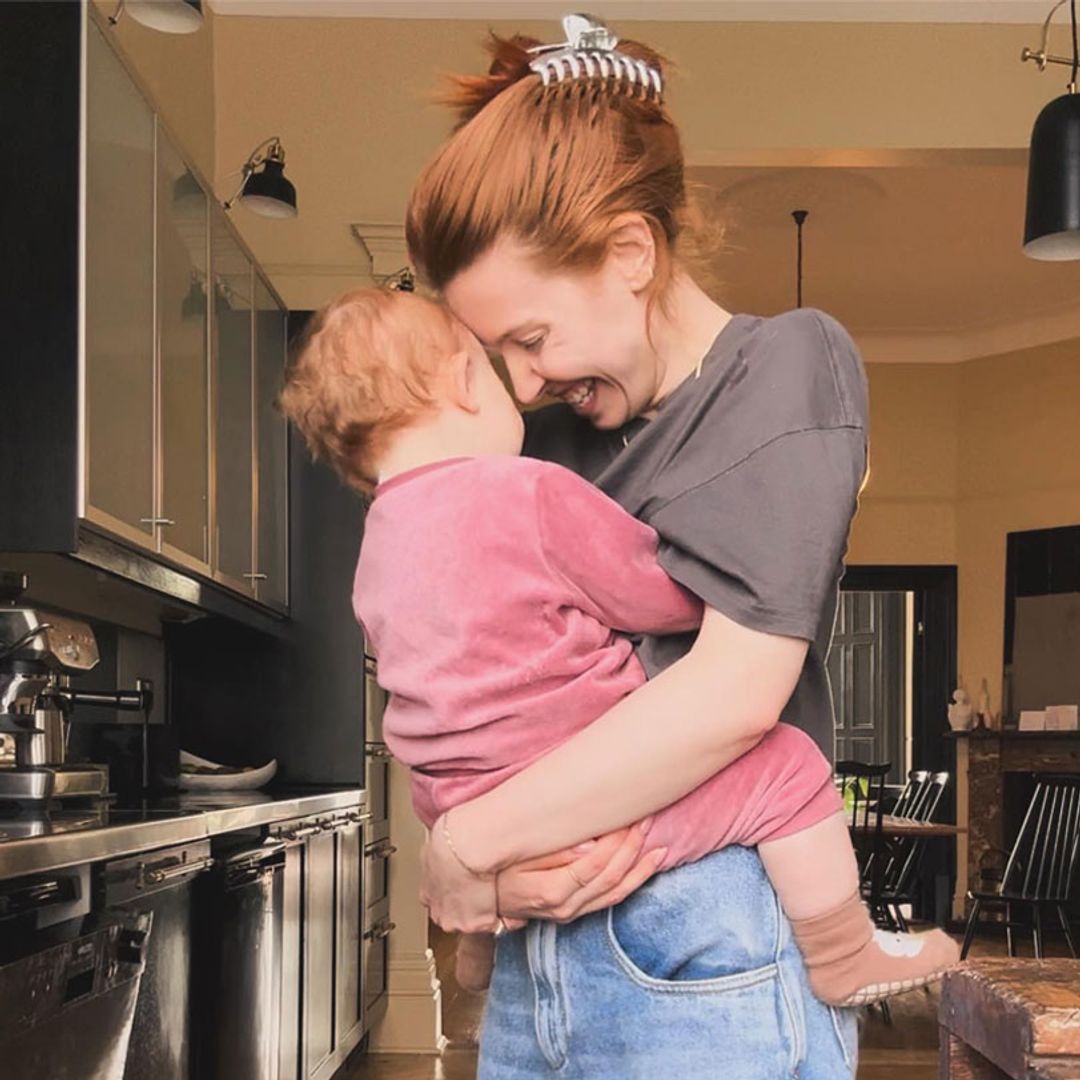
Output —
(750, 475)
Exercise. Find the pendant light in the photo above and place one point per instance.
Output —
(264, 188)
(169, 16)
(1052, 223)
(800, 217)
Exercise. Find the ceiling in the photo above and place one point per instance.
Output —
(920, 249)
(945, 11)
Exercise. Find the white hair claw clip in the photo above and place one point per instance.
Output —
(590, 53)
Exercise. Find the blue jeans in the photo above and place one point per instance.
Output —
(695, 976)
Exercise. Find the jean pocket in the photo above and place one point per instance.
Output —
(664, 966)
(845, 1024)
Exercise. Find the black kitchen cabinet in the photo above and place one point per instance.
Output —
(142, 362)
(322, 975)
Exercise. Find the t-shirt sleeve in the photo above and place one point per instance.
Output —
(768, 480)
(608, 559)
(762, 542)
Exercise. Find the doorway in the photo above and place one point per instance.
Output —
(870, 671)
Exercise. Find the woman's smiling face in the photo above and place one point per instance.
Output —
(579, 337)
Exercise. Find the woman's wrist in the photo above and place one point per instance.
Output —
(474, 846)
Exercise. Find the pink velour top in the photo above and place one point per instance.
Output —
(496, 594)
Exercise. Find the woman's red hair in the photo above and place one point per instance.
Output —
(552, 168)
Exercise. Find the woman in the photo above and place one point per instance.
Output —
(552, 222)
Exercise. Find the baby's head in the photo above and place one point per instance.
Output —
(377, 368)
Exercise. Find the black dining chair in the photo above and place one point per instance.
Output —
(903, 855)
(864, 785)
(1040, 868)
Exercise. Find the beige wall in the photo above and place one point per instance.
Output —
(352, 102)
(907, 512)
(177, 71)
(961, 455)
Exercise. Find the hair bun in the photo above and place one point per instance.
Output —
(510, 57)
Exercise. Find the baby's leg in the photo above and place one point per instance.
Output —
(474, 961)
(850, 963)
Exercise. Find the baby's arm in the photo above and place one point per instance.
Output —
(607, 558)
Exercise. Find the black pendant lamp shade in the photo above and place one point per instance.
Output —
(268, 192)
(1052, 226)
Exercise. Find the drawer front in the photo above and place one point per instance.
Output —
(378, 780)
(375, 954)
(377, 855)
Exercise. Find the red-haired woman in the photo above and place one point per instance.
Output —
(553, 223)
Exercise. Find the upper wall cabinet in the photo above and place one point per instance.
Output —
(120, 334)
(148, 347)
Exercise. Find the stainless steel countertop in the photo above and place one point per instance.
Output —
(33, 845)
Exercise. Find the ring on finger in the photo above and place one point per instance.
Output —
(501, 928)
(577, 880)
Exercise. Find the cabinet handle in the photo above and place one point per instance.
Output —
(254, 577)
(378, 750)
(382, 850)
(383, 930)
(156, 521)
(299, 834)
(360, 819)
(155, 875)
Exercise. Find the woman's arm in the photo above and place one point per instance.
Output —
(653, 747)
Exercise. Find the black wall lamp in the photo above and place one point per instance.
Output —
(264, 188)
(1052, 224)
(170, 16)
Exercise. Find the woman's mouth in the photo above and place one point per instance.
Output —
(581, 395)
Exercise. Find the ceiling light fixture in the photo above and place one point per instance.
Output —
(1052, 223)
(169, 16)
(800, 217)
(266, 192)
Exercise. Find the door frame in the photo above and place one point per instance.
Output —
(933, 680)
(934, 663)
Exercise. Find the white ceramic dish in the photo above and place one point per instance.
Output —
(240, 781)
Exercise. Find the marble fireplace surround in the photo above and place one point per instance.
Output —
(983, 759)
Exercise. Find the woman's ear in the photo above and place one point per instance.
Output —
(632, 250)
(463, 365)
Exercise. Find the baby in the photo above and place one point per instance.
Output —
(497, 593)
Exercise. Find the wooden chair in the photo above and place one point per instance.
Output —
(1039, 872)
(919, 802)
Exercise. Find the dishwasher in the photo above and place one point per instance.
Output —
(68, 984)
(238, 947)
(158, 884)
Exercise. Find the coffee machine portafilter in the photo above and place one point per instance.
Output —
(39, 652)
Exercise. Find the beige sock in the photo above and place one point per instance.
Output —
(851, 963)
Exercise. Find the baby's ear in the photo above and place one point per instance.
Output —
(463, 365)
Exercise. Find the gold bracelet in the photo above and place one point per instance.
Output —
(453, 850)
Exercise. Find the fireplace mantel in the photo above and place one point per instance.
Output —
(983, 759)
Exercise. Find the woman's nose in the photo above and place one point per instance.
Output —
(528, 386)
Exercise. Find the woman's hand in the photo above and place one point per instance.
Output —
(567, 884)
(457, 898)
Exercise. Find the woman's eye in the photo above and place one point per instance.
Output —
(533, 344)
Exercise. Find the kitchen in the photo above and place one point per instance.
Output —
(162, 518)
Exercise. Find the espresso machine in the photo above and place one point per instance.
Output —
(40, 652)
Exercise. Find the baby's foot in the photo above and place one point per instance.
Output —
(474, 961)
(887, 964)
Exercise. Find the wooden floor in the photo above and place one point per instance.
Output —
(906, 1050)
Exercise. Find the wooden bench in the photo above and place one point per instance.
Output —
(1007, 1019)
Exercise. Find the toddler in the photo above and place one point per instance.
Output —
(497, 593)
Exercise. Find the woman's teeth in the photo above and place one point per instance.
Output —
(581, 393)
